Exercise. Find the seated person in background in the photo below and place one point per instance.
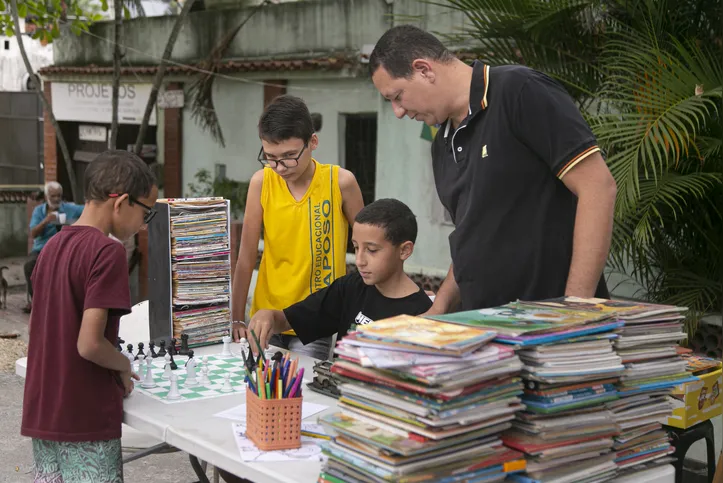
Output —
(383, 235)
(44, 224)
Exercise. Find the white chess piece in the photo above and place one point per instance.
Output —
(244, 345)
(167, 367)
(227, 387)
(191, 373)
(130, 357)
(269, 353)
(149, 382)
(205, 381)
(173, 392)
(138, 367)
(226, 352)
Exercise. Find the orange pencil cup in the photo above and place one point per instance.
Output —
(273, 423)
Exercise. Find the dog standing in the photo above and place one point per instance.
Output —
(3, 289)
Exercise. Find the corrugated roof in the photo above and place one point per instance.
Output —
(230, 66)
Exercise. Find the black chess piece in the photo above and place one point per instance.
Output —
(152, 348)
(184, 345)
(129, 347)
(162, 350)
(249, 361)
(278, 356)
(171, 352)
(172, 347)
(190, 356)
(119, 344)
(141, 355)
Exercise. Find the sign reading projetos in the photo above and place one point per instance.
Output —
(92, 102)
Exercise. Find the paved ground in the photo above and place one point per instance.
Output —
(16, 452)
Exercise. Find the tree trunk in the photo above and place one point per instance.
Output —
(118, 10)
(46, 105)
(160, 73)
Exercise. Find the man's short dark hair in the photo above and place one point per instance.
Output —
(286, 117)
(397, 220)
(402, 45)
(119, 172)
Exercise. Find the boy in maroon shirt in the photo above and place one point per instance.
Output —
(76, 379)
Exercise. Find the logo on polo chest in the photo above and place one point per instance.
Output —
(484, 151)
(362, 319)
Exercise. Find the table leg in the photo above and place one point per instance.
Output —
(202, 478)
(146, 452)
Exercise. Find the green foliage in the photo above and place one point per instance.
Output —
(229, 189)
(48, 16)
(648, 75)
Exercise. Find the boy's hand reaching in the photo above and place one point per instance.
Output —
(127, 379)
(262, 324)
(238, 331)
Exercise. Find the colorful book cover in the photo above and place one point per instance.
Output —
(516, 320)
(419, 331)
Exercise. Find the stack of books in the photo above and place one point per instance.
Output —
(570, 372)
(200, 269)
(653, 367)
(420, 401)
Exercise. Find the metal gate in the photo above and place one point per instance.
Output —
(21, 139)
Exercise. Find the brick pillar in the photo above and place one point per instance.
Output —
(173, 149)
(274, 88)
(50, 150)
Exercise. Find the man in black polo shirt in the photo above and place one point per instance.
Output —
(516, 166)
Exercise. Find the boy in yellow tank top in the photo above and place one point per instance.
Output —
(305, 208)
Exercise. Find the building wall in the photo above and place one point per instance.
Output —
(13, 74)
(14, 233)
(333, 98)
(238, 107)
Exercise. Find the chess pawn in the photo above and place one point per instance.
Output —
(148, 381)
(227, 387)
(171, 352)
(119, 344)
(191, 372)
(138, 367)
(141, 353)
(152, 349)
(173, 392)
(167, 367)
(129, 353)
(205, 381)
(162, 350)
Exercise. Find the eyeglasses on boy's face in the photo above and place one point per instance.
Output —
(285, 162)
(150, 212)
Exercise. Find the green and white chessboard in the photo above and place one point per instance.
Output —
(217, 368)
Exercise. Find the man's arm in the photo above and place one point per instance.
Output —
(248, 252)
(590, 180)
(38, 223)
(448, 296)
(352, 201)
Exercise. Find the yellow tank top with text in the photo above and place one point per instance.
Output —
(304, 241)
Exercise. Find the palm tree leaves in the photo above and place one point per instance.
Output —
(648, 75)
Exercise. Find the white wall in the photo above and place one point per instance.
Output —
(404, 171)
(12, 69)
(332, 98)
(238, 107)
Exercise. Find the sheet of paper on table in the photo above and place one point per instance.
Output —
(309, 450)
(238, 413)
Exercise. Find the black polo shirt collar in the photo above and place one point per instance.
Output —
(477, 92)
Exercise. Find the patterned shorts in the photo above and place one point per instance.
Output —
(84, 462)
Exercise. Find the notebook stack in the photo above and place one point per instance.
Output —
(570, 371)
(420, 401)
(200, 269)
(647, 346)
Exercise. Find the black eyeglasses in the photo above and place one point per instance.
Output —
(150, 212)
(286, 162)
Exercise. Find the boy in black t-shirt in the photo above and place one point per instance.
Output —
(383, 235)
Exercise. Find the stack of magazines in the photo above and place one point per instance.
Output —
(422, 401)
(200, 269)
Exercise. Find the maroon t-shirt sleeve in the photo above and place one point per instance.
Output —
(107, 286)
